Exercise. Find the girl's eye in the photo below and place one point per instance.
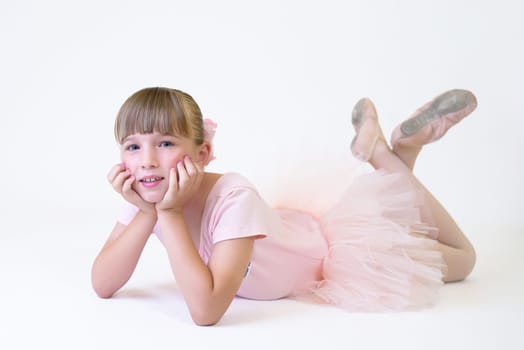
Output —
(132, 148)
(166, 143)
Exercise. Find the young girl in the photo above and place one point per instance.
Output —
(387, 245)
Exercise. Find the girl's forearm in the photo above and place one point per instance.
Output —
(117, 260)
(193, 277)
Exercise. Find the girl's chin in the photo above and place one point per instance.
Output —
(152, 197)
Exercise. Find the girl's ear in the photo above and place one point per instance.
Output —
(204, 154)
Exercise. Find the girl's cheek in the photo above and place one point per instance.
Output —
(127, 163)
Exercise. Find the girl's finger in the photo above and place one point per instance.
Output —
(182, 173)
(172, 183)
(190, 166)
(195, 169)
(118, 181)
(128, 183)
(115, 170)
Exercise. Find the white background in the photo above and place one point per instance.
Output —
(280, 78)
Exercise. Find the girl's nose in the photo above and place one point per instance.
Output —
(149, 159)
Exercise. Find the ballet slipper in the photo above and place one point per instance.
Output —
(368, 133)
(430, 122)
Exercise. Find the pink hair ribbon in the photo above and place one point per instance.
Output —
(210, 128)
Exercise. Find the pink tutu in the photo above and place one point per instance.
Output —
(373, 262)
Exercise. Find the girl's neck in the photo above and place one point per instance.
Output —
(193, 211)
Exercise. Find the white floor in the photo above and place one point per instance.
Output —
(47, 303)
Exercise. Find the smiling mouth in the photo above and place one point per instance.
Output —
(151, 179)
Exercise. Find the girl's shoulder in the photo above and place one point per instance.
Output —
(234, 209)
(231, 192)
(231, 181)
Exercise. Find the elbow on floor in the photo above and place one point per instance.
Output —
(103, 295)
(102, 292)
(204, 319)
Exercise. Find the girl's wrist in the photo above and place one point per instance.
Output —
(168, 211)
(149, 211)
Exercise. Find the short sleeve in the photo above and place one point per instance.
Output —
(127, 214)
(238, 213)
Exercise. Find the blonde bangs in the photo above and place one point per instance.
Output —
(151, 110)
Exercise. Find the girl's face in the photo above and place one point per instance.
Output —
(149, 157)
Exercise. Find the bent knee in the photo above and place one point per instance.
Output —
(460, 264)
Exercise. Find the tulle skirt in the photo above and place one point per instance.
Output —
(380, 255)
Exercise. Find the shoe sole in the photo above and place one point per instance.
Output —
(356, 118)
(356, 115)
(449, 102)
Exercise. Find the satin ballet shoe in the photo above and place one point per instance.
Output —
(365, 122)
(435, 117)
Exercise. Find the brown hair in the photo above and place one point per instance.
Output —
(164, 110)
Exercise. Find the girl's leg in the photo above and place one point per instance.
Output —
(369, 145)
(430, 122)
(408, 153)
